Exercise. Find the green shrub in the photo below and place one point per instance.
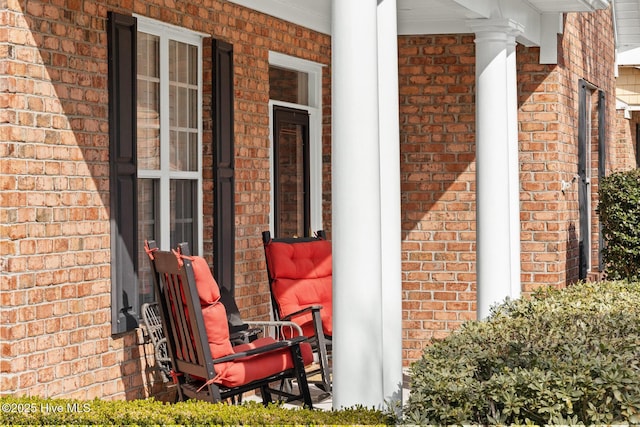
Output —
(37, 411)
(619, 211)
(560, 357)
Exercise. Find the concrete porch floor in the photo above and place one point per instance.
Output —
(323, 401)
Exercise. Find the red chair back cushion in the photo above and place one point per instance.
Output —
(300, 277)
(247, 369)
(213, 311)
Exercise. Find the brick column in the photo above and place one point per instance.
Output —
(497, 167)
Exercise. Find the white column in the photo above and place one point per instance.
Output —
(497, 166)
(357, 296)
(514, 168)
(391, 235)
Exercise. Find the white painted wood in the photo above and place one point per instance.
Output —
(391, 234)
(432, 16)
(497, 193)
(356, 231)
(314, 75)
(550, 27)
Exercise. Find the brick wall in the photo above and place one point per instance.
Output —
(591, 57)
(437, 137)
(55, 250)
(624, 144)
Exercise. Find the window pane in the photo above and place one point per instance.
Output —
(183, 213)
(183, 105)
(192, 109)
(193, 60)
(148, 102)
(291, 181)
(193, 151)
(147, 223)
(288, 85)
(148, 135)
(148, 48)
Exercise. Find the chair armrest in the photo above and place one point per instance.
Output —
(312, 308)
(277, 325)
(278, 345)
(245, 334)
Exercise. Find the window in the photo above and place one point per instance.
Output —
(162, 70)
(591, 163)
(168, 139)
(296, 158)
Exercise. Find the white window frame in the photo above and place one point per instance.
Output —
(165, 33)
(314, 108)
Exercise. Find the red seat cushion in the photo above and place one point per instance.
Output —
(247, 369)
(302, 276)
(252, 368)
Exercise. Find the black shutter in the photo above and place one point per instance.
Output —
(638, 145)
(224, 186)
(602, 164)
(122, 171)
(584, 243)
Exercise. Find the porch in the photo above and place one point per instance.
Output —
(476, 125)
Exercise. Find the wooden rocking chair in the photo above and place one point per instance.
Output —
(206, 364)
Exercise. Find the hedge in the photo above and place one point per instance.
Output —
(38, 411)
(559, 357)
(619, 211)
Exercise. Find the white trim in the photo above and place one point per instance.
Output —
(314, 73)
(313, 70)
(551, 25)
(153, 26)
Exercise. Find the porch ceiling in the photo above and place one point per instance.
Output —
(627, 20)
(429, 16)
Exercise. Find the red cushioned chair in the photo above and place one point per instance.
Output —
(206, 364)
(300, 277)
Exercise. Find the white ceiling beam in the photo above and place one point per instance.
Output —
(628, 57)
(550, 27)
(570, 5)
(479, 7)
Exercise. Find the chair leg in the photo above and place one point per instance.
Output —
(266, 395)
(322, 351)
(324, 362)
(301, 376)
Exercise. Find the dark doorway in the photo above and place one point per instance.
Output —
(291, 177)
